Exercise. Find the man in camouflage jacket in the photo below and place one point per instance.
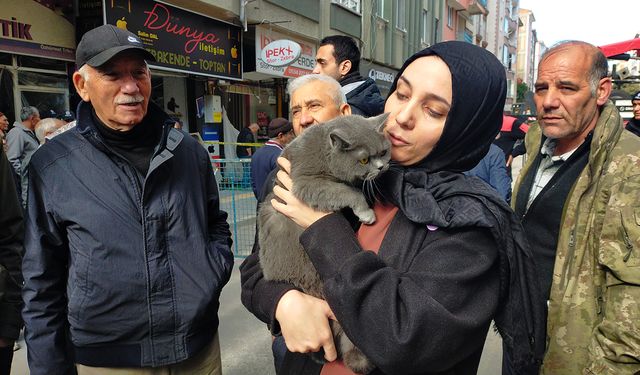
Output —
(593, 324)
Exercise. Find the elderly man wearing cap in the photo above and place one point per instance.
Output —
(280, 132)
(126, 249)
(634, 123)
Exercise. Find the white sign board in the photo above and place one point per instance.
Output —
(300, 66)
(281, 52)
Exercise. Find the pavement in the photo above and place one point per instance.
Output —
(245, 342)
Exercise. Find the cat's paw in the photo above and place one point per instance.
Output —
(366, 216)
(357, 361)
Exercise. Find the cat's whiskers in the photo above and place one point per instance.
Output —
(367, 188)
(377, 191)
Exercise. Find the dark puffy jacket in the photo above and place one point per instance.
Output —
(133, 271)
(493, 170)
(11, 236)
(365, 100)
(634, 126)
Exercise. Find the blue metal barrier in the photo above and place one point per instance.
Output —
(236, 198)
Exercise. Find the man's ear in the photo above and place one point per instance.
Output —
(603, 91)
(345, 109)
(80, 84)
(344, 68)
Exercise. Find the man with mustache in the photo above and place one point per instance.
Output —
(126, 248)
(578, 198)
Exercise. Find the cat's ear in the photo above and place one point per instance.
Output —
(379, 121)
(338, 138)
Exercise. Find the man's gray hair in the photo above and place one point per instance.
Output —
(84, 72)
(335, 92)
(599, 68)
(27, 112)
(44, 127)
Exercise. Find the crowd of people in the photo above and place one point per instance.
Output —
(114, 249)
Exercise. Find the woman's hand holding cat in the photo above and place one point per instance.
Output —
(289, 205)
(304, 322)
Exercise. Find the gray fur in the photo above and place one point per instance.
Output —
(329, 164)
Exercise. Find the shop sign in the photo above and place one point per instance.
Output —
(281, 52)
(379, 75)
(36, 28)
(300, 65)
(625, 107)
(180, 40)
(382, 75)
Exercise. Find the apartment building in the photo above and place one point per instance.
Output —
(527, 39)
(502, 40)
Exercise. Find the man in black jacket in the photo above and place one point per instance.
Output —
(634, 123)
(339, 58)
(11, 235)
(127, 250)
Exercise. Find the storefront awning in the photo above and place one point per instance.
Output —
(620, 47)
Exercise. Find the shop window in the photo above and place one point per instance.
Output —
(26, 78)
(44, 101)
(41, 63)
(157, 91)
(6, 93)
(5, 59)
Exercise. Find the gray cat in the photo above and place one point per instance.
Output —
(329, 162)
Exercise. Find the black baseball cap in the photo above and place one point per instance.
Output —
(49, 113)
(101, 44)
(67, 116)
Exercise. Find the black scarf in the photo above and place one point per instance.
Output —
(434, 192)
(351, 77)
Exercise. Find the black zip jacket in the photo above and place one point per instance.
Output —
(11, 236)
(130, 269)
(365, 100)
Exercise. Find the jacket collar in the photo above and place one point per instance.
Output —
(606, 134)
(87, 128)
(20, 125)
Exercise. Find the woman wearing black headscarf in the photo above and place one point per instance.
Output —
(445, 255)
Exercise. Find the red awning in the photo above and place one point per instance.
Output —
(620, 47)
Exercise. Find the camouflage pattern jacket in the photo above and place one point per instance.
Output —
(593, 325)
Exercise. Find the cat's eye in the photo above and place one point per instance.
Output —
(364, 161)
